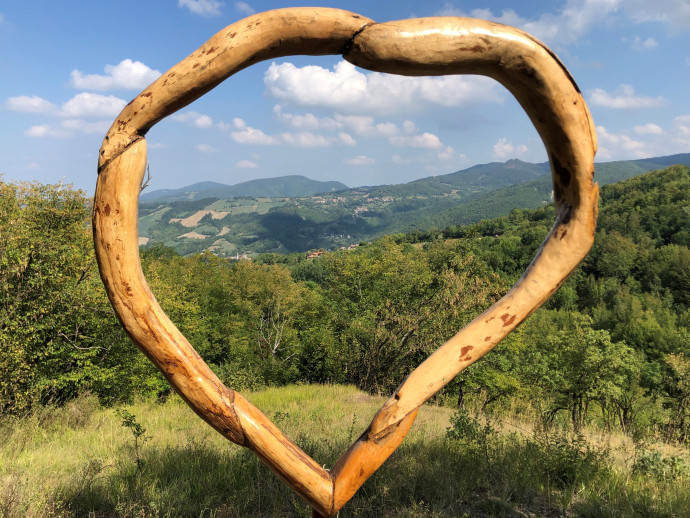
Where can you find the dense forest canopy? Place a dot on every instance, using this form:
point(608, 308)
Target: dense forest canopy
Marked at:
point(612, 345)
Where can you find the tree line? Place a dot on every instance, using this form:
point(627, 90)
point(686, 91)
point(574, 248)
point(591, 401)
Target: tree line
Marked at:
point(611, 346)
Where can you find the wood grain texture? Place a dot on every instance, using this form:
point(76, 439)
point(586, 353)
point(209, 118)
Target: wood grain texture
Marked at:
point(427, 46)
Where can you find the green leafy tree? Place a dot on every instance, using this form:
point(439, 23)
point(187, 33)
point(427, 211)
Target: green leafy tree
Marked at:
point(578, 366)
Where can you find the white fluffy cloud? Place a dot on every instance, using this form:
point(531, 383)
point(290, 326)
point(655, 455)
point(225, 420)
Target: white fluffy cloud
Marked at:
point(397, 159)
point(566, 26)
point(68, 128)
point(308, 139)
point(648, 129)
point(644, 44)
point(579, 17)
point(348, 90)
point(245, 134)
point(45, 130)
point(681, 132)
point(83, 105)
point(359, 160)
point(618, 145)
point(205, 148)
point(447, 154)
point(244, 8)
point(82, 126)
point(308, 121)
point(29, 104)
point(366, 126)
point(505, 149)
point(361, 125)
point(208, 8)
point(196, 119)
point(675, 13)
point(128, 74)
point(682, 123)
point(37, 131)
point(88, 104)
point(246, 164)
point(624, 98)
point(424, 140)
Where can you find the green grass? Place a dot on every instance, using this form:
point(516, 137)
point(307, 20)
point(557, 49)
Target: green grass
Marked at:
point(80, 461)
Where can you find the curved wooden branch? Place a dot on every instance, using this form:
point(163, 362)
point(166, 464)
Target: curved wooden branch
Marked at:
point(428, 46)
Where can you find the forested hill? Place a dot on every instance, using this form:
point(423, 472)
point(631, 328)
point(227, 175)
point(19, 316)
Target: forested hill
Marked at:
point(251, 225)
point(531, 194)
point(291, 186)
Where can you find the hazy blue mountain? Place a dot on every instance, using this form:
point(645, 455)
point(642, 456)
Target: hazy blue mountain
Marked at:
point(283, 186)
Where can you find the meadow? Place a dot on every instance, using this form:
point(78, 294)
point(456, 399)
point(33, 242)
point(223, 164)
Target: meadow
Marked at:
point(157, 459)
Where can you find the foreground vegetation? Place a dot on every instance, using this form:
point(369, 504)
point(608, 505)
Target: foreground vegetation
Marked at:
point(80, 460)
point(610, 352)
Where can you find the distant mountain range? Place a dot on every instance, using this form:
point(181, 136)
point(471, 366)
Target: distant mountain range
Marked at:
point(293, 213)
point(292, 185)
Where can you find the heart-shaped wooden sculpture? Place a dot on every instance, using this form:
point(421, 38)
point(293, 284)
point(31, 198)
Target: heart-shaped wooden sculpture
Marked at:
point(427, 46)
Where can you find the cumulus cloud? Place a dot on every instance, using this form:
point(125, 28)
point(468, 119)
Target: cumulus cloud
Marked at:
point(307, 121)
point(682, 125)
point(446, 154)
point(128, 74)
point(245, 134)
point(397, 159)
point(345, 89)
point(675, 13)
point(244, 8)
point(37, 131)
point(579, 17)
point(29, 104)
point(82, 126)
point(88, 104)
point(563, 27)
point(648, 129)
point(246, 164)
point(361, 125)
point(406, 135)
point(505, 149)
point(308, 139)
point(205, 148)
point(623, 99)
point(208, 8)
point(618, 145)
point(83, 105)
point(44, 130)
point(424, 140)
point(359, 160)
point(366, 126)
point(644, 44)
point(196, 119)
point(346, 139)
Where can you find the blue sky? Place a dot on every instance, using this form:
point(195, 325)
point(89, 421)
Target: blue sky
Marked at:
point(68, 68)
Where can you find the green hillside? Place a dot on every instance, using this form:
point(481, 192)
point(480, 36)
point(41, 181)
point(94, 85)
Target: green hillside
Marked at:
point(257, 224)
point(283, 186)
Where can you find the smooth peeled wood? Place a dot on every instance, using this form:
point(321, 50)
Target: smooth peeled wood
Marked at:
point(427, 46)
